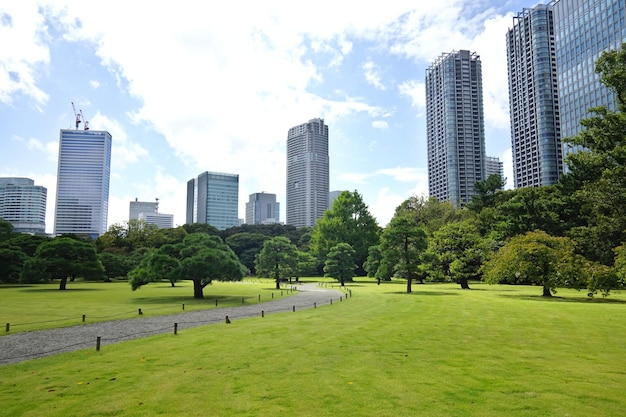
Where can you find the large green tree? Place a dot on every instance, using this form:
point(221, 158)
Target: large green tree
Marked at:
point(246, 246)
point(536, 258)
point(460, 251)
point(200, 258)
point(340, 263)
point(402, 245)
point(347, 221)
point(63, 258)
point(278, 259)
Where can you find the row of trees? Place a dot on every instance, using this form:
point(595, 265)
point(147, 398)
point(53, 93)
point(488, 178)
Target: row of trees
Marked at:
point(571, 234)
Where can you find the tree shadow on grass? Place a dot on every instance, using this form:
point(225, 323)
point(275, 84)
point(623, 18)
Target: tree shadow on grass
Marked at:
point(558, 299)
point(208, 300)
point(420, 293)
point(56, 289)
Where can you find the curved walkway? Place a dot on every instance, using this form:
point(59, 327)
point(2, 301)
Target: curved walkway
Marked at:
point(36, 344)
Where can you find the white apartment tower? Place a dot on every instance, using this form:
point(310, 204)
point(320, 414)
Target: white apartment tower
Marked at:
point(307, 173)
point(455, 126)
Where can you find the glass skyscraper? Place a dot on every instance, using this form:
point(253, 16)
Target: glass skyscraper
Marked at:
point(533, 98)
point(83, 182)
point(23, 204)
point(213, 198)
point(583, 30)
point(455, 126)
point(262, 208)
point(307, 173)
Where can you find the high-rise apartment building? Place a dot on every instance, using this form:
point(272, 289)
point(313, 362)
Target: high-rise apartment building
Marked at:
point(455, 126)
point(307, 173)
point(583, 30)
point(83, 182)
point(262, 208)
point(23, 204)
point(213, 198)
point(533, 98)
point(493, 166)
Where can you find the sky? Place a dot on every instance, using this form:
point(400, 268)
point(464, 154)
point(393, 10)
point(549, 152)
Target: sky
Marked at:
point(190, 86)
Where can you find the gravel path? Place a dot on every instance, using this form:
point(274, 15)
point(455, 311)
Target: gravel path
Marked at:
point(36, 344)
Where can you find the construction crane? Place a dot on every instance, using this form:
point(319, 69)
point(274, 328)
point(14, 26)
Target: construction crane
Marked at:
point(78, 116)
point(86, 122)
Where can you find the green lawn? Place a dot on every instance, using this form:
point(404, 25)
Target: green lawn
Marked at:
point(34, 307)
point(441, 351)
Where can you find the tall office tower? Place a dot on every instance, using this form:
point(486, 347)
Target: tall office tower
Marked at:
point(82, 201)
point(307, 173)
point(213, 198)
point(262, 209)
point(455, 126)
point(137, 207)
point(23, 204)
point(533, 99)
point(583, 30)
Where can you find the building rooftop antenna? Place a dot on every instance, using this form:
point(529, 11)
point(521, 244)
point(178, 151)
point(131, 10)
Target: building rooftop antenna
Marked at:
point(77, 115)
point(156, 206)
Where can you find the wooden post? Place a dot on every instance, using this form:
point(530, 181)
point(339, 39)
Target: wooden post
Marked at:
point(272, 295)
point(83, 318)
point(331, 301)
point(242, 300)
point(175, 328)
point(139, 312)
point(314, 305)
point(259, 297)
point(227, 320)
point(8, 327)
point(341, 298)
point(183, 306)
point(216, 302)
point(98, 343)
point(262, 313)
point(294, 309)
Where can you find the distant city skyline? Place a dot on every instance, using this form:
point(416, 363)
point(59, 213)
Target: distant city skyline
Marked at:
point(247, 79)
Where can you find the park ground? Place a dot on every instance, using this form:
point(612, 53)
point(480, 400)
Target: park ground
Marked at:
point(440, 351)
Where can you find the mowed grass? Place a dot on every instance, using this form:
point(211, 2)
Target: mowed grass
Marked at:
point(440, 351)
point(43, 306)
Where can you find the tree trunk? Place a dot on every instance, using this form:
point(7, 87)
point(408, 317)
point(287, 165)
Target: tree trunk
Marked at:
point(172, 283)
point(408, 285)
point(464, 284)
point(278, 283)
point(197, 289)
point(546, 292)
point(343, 284)
point(63, 284)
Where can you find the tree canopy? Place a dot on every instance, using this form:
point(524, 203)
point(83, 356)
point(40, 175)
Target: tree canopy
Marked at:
point(340, 263)
point(63, 258)
point(200, 258)
point(278, 259)
point(347, 221)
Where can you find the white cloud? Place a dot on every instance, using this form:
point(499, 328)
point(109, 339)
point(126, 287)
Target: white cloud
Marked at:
point(372, 75)
point(94, 84)
point(124, 151)
point(416, 91)
point(506, 158)
point(23, 52)
point(380, 124)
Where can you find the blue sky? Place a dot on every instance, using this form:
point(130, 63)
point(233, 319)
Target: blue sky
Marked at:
point(186, 87)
